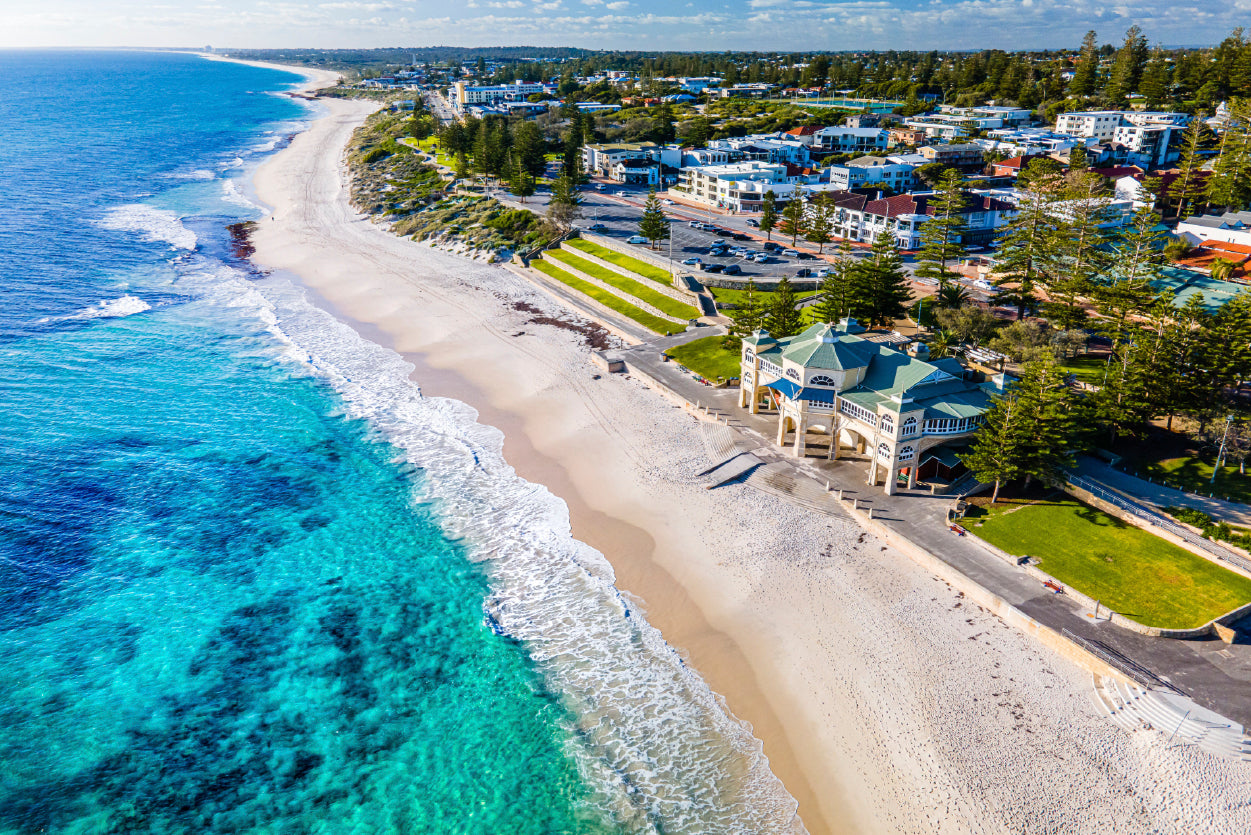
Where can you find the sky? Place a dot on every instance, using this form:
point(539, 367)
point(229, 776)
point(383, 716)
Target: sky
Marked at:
point(786, 25)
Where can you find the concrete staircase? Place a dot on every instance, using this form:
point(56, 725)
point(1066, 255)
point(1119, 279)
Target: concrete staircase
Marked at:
point(1136, 708)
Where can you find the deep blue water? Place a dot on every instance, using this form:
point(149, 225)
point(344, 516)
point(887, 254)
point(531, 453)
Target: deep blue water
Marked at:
point(250, 579)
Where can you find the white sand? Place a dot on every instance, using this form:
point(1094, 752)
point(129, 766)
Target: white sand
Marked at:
point(884, 701)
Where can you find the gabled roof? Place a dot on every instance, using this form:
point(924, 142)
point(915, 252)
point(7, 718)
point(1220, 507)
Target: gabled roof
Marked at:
point(918, 204)
point(806, 130)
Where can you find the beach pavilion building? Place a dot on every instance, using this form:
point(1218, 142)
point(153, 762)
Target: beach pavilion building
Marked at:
point(834, 383)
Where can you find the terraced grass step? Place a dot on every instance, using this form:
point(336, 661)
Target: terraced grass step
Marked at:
point(634, 265)
point(632, 289)
point(607, 299)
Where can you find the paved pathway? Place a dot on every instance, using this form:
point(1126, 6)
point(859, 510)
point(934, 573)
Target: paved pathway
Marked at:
point(1162, 496)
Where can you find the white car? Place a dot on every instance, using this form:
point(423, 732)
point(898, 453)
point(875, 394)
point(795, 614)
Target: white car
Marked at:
point(666, 202)
point(822, 272)
point(760, 257)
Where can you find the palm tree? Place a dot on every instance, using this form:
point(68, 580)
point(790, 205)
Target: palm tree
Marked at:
point(952, 295)
point(1222, 268)
point(942, 344)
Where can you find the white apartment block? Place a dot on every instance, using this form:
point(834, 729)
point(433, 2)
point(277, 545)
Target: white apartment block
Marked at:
point(463, 96)
point(851, 140)
point(1102, 124)
point(866, 171)
point(739, 186)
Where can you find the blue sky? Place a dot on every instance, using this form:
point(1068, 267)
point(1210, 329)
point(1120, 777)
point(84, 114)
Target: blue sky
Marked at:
point(621, 24)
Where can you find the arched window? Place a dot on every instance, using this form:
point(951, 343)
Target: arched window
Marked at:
point(822, 380)
point(909, 427)
point(888, 424)
point(906, 453)
point(883, 450)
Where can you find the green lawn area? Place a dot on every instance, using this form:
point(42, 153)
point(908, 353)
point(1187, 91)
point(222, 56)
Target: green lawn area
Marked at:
point(642, 292)
point(634, 265)
point(428, 143)
point(1135, 573)
point(1194, 473)
point(1089, 370)
point(647, 320)
point(731, 296)
point(708, 358)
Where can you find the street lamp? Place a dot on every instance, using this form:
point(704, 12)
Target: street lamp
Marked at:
point(1229, 421)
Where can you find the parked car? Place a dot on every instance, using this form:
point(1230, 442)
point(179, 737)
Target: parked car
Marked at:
point(790, 253)
point(600, 186)
point(666, 202)
point(803, 272)
point(691, 262)
point(732, 269)
point(822, 272)
point(718, 250)
point(720, 233)
point(805, 256)
point(760, 257)
point(715, 268)
point(596, 227)
point(772, 246)
point(636, 239)
point(751, 221)
point(695, 224)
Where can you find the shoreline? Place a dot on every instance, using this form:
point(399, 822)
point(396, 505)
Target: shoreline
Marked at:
point(809, 645)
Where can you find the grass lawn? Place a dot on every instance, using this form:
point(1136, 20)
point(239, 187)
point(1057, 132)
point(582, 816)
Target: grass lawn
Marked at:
point(730, 296)
point(634, 265)
point(1194, 473)
point(647, 320)
point(708, 358)
point(642, 292)
point(1089, 370)
point(1137, 574)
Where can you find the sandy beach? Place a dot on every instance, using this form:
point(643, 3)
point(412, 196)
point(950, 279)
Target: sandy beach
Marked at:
point(884, 701)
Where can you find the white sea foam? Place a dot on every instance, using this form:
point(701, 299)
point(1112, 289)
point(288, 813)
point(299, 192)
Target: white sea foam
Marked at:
point(108, 309)
point(198, 174)
point(152, 223)
point(231, 194)
point(654, 742)
point(650, 738)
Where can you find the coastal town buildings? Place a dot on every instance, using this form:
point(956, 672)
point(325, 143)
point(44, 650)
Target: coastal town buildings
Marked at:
point(834, 385)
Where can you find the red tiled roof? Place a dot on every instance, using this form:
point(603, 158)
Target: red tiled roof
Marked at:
point(907, 204)
point(806, 130)
point(1241, 249)
point(1116, 173)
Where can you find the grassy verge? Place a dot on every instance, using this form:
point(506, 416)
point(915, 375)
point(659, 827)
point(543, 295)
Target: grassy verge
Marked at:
point(634, 265)
point(727, 295)
point(612, 302)
point(1194, 473)
point(1135, 573)
point(642, 292)
point(708, 357)
point(1089, 370)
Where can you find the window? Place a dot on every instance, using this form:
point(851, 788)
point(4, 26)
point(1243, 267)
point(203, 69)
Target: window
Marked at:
point(906, 453)
point(793, 374)
point(822, 380)
point(883, 450)
point(888, 424)
point(909, 427)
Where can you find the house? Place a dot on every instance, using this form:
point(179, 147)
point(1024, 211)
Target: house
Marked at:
point(1013, 166)
point(636, 172)
point(957, 156)
point(597, 107)
point(742, 91)
point(862, 216)
point(905, 136)
point(1206, 255)
point(863, 120)
point(863, 171)
point(766, 148)
point(833, 386)
point(1032, 141)
point(1130, 187)
point(805, 135)
point(843, 140)
point(1231, 228)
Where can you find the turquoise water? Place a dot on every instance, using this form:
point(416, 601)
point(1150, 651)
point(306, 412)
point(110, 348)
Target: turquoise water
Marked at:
point(251, 579)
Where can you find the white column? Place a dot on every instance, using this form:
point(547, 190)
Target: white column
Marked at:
point(890, 479)
point(781, 427)
point(873, 469)
point(801, 435)
point(912, 471)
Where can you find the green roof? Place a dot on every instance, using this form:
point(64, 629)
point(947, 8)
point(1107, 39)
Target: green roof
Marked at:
point(1187, 283)
point(821, 346)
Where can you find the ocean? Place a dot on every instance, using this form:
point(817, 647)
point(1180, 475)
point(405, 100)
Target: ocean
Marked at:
point(251, 580)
